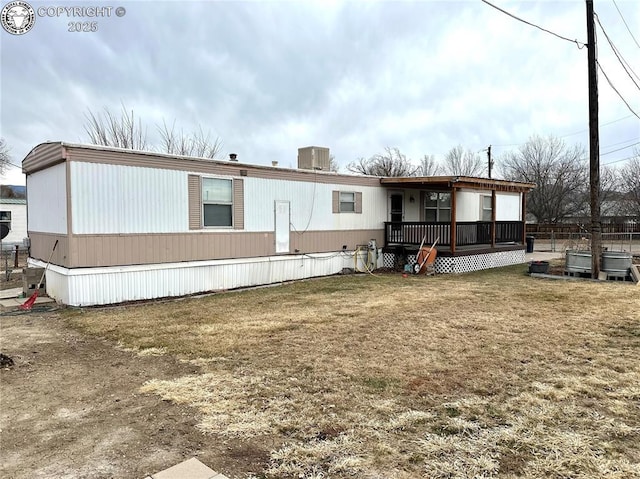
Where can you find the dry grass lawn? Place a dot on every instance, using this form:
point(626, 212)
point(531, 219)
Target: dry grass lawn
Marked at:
point(489, 374)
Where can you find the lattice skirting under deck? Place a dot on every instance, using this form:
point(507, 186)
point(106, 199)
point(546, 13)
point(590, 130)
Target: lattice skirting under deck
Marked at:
point(462, 264)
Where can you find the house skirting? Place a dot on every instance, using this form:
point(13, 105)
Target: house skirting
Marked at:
point(463, 264)
point(118, 284)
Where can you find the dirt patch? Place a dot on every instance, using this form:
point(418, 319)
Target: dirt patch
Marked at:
point(71, 407)
point(15, 279)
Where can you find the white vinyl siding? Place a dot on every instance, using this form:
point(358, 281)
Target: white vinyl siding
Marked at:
point(18, 215)
point(126, 199)
point(311, 205)
point(114, 199)
point(508, 207)
point(47, 203)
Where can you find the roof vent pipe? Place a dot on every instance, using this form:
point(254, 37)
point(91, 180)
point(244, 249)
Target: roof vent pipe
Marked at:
point(233, 157)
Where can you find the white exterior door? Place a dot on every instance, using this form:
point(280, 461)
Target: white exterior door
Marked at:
point(282, 222)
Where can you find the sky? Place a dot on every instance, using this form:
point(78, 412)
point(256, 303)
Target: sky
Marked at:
point(268, 77)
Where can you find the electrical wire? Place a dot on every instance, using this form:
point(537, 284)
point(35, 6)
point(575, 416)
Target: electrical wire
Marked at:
point(577, 132)
point(616, 90)
point(619, 149)
point(358, 249)
point(625, 23)
point(13, 164)
point(322, 258)
point(313, 202)
point(619, 56)
point(619, 161)
point(579, 44)
point(621, 142)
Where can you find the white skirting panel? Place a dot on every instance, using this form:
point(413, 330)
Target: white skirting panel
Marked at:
point(96, 286)
point(464, 264)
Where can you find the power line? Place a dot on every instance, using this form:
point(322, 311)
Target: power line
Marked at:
point(619, 55)
point(601, 124)
point(13, 164)
point(577, 132)
point(619, 161)
point(579, 44)
point(616, 90)
point(625, 141)
point(619, 149)
point(625, 23)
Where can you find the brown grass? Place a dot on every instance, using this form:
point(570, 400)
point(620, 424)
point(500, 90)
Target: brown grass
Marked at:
point(490, 374)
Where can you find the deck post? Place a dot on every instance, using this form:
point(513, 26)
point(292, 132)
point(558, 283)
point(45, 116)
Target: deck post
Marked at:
point(524, 217)
point(452, 232)
point(493, 218)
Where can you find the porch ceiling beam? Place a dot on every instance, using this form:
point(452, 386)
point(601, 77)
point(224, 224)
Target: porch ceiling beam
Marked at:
point(457, 182)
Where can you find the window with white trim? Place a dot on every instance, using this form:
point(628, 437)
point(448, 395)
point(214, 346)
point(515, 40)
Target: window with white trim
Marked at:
point(437, 206)
point(217, 202)
point(486, 210)
point(347, 202)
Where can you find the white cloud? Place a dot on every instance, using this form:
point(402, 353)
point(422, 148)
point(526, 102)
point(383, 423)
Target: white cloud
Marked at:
point(269, 77)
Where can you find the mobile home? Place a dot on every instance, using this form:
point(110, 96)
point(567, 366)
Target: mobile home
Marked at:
point(135, 225)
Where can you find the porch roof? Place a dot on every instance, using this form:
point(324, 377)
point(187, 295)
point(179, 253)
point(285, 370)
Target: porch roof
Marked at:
point(456, 182)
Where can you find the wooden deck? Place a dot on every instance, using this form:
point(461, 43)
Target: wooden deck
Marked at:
point(467, 237)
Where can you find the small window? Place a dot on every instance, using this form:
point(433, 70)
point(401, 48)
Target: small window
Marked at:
point(217, 202)
point(437, 206)
point(347, 202)
point(486, 208)
point(5, 215)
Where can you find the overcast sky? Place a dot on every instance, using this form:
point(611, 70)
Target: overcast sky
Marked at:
point(268, 77)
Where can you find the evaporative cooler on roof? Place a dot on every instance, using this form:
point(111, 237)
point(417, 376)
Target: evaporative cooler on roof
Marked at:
point(313, 158)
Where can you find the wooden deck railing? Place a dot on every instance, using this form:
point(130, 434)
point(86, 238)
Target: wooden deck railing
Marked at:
point(467, 233)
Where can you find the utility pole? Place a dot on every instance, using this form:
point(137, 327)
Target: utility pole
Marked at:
point(490, 163)
point(594, 145)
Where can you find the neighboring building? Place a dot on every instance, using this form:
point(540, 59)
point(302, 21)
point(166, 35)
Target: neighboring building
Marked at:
point(134, 225)
point(13, 211)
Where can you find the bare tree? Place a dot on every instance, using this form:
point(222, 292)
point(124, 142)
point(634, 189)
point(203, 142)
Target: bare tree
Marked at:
point(429, 166)
point(126, 131)
point(5, 157)
point(630, 186)
point(459, 161)
point(196, 144)
point(122, 131)
point(333, 164)
point(390, 163)
point(610, 197)
point(559, 173)
point(608, 192)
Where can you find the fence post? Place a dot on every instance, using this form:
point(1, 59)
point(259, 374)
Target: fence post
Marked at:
point(15, 262)
point(7, 271)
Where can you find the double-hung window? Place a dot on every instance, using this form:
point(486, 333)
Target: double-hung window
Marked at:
point(347, 202)
point(485, 205)
point(437, 206)
point(217, 202)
